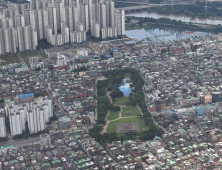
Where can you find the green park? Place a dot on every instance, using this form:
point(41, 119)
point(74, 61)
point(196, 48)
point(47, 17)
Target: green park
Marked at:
point(121, 109)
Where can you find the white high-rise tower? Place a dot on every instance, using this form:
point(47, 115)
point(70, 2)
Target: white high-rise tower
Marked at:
point(2, 127)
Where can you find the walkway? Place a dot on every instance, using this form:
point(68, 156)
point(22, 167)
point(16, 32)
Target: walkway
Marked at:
point(120, 115)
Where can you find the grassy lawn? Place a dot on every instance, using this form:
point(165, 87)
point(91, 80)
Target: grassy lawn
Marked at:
point(121, 99)
point(74, 51)
point(112, 125)
point(25, 55)
point(113, 115)
point(135, 111)
point(10, 58)
point(127, 75)
point(14, 58)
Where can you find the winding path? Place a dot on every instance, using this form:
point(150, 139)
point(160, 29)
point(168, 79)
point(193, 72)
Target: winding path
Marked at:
point(120, 115)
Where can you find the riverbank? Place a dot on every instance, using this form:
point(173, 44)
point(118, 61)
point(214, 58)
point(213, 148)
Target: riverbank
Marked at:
point(168, 23)
point(182, 18)
point(195, 10)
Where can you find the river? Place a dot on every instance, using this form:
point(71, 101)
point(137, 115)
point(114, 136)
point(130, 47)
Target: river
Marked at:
point(159, 35)
point(176, 17)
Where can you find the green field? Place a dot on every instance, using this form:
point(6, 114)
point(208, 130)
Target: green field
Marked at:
point(128, 75)
point(113, 115)
point(25, 56)
point(14, 58)
point(135, 111)
point(121, 99)
point(74, 51)
point(112, 125)
point(10, 58)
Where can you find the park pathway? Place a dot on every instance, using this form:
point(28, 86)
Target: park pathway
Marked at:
point(107, 123)
point(120, 115)
point(139, 109)
point(108, 95)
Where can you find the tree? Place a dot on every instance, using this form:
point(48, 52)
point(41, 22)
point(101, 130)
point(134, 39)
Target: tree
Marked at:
point(110, 86)
point(116, 93)
point(37, 69)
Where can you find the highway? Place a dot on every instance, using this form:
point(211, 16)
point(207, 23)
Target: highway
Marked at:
point(150, 6)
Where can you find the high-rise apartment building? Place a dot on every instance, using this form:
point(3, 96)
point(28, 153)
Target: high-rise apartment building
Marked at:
point(59, 21)
point(35, 114)
point(15, 123)
point(2, 127)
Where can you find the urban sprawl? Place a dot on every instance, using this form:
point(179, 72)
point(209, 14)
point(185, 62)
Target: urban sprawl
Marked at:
point(117, 104)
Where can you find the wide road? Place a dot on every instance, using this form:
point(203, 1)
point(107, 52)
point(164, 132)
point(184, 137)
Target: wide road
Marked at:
point(21, 142)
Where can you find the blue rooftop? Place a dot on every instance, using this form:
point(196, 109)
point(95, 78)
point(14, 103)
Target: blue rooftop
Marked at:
point(115, 49)
point(22, 96)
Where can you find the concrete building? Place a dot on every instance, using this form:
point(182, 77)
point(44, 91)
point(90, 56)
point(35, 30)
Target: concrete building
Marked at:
point(45, 139)
point(2, 126)
point(36, 114)
point(15, 123)
point(64, 122)
point(120, 21)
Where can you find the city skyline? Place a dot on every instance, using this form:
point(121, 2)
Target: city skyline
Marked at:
point(59, 22)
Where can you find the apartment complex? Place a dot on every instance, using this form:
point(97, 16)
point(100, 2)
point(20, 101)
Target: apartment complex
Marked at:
point(59, 22)
point(36, 114)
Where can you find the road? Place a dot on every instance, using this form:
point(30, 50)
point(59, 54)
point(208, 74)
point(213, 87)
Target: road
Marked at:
point(18, 143)
point(150, 6)
point(56, 102)
point(22, 59)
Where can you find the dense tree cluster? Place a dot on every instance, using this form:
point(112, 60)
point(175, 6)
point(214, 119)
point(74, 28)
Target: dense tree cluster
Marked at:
point(43, 44)
point(43, 93)
point(194, 10)
point(3, 139)
point(116, 92)
point(114, 78)
point(26, 135)
point(172, 24)
point(37, 69)
point(121, 5)
point(103, 103)
point(132, 101)
point(7, 124)
point(80, 69)
point(53, 118)
point(153, 20)
point(156, 1)
point(139, 96)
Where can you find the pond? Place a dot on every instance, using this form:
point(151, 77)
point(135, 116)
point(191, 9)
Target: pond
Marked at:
point(125, 88)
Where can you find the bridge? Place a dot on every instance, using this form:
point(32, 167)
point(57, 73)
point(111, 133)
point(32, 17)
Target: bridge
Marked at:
point(147, 5)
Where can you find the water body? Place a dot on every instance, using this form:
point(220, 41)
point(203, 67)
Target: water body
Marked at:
point(125, 88)
point(176, 17)
point(159, 35)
